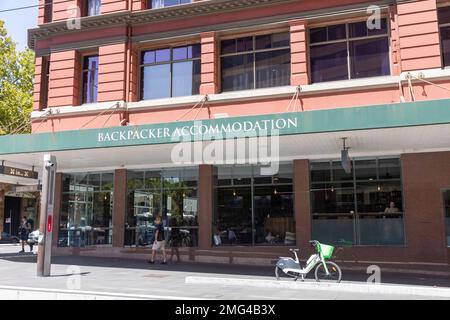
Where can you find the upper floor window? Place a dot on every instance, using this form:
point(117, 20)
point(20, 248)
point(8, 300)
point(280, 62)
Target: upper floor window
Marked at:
point(93, 7)
point(256, 62)
point(444, 26)
point(349, 51)
point(48, 11)
point(45, 79)
point(170, 72)
point(155, 4)
point(90, 79)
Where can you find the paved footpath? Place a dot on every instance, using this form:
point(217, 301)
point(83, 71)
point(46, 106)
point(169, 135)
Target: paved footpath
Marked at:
point(105, 278)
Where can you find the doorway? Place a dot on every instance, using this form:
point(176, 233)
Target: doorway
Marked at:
point(12, 215)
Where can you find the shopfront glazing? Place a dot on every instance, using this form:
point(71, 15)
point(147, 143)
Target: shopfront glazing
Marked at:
point(86, 209)
point(360, 207)
point(252, 209)
point(170, 193)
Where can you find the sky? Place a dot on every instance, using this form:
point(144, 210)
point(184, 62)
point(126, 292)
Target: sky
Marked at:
point(18, 22)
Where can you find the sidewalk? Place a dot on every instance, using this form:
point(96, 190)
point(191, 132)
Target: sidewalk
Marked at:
point(106, 278)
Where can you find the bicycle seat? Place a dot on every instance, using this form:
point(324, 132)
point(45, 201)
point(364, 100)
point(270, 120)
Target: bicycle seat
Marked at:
point(294, 250)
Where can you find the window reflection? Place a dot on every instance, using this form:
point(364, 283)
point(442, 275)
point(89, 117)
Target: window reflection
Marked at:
point(364, 207)
point(170, 72)
point(349, 51)
point(171, 193)
point(252, 209)
point(87, 205)
point(155, 4)
point(256, 62)
point(447, 215)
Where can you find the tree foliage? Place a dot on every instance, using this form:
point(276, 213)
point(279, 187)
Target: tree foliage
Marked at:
point(16, 85)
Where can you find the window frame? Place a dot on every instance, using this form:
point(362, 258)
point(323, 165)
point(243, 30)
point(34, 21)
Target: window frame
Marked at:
point(347, 40)
point(252, 184)
point(254, 52)
point(354, 181)
point(48, 11)
point(83, 71)
point(444, 191)
point(86, 9)
point(142, 65)
point(149, 4)
point(101, 190)
point(45, 82)
point(441, 43)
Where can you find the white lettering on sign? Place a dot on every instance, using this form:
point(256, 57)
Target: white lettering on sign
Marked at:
point(197, 129)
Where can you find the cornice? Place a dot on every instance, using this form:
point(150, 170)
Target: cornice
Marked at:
point(194, 9)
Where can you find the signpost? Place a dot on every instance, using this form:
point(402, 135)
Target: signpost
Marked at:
point(17, 172)
point(46, 219)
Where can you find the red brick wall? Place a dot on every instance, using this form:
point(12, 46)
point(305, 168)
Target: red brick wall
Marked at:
point(424, 177)
point(419, 35)
point(120, 206)
point(209, 77)
point(134, 72)
point(41, 11)
point(139, 5)
point(112, 73)
point(206, 207)
point(111, 6)
point(299, 60)
point(302, 203)
point(60, 9)
point(38, 78)
point(64, 84)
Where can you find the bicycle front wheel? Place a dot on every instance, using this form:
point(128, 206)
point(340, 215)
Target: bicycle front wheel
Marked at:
point(334, 272)
point(280, 275)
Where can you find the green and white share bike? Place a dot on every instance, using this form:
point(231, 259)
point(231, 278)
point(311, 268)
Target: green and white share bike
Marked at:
point(325, 271)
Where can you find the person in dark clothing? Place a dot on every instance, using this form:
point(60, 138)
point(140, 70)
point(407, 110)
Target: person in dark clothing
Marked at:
point(159, 242)
point(31, 223)
point(175, 240)
point(24, 230)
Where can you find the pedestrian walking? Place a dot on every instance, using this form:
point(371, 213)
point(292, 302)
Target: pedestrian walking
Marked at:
point(159, 242)
point(24, 231)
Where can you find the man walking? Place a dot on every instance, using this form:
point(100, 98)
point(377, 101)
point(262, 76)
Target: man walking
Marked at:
point(159, 242)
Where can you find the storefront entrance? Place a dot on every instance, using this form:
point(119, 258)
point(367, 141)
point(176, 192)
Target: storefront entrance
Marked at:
point(12, 215)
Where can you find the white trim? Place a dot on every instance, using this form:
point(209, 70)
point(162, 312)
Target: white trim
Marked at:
point(84, 109)
point(245, 95)
point(429, 74)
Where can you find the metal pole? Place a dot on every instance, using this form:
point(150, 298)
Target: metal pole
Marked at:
point(46, 216)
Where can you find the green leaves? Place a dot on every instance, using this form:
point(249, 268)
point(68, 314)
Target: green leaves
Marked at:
point(16, 86)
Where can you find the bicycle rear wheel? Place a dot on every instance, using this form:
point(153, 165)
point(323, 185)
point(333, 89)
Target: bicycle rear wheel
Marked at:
point(280, 275)
point(334, 272)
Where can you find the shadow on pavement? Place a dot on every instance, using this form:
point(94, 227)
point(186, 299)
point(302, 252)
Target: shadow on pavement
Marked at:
point(223, 269)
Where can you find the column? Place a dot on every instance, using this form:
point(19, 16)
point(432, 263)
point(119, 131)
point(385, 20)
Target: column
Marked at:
point(419, 35)
point(302, 201)
point(299, 64)
point(112, 73)
point(64, 86)
point(424, 176)
point(120, 205)
point(206, 206)
point(209, 73)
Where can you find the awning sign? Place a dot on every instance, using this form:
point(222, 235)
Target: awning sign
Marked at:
point(16, 172)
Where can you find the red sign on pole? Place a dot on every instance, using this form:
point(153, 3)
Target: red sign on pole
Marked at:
point(49, 223)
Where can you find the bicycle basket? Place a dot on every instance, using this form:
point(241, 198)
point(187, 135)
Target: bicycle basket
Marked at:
point(326, 250)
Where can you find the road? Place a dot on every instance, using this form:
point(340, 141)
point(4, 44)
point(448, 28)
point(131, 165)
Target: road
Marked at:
point(116, 278)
